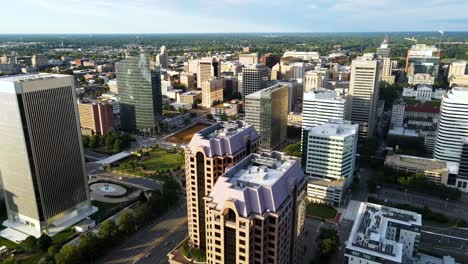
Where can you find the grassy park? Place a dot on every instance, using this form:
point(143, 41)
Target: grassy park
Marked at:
point(320, 211)
point(152, 163)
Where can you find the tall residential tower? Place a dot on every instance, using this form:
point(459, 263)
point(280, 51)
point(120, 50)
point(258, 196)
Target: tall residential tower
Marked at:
point(209, 153)
point(256, 212)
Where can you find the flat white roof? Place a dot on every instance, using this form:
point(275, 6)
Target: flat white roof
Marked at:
point(336, 128)
point(31, 77)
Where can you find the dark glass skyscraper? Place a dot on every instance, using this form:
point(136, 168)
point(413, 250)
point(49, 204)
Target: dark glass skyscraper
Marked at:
point(140, 95)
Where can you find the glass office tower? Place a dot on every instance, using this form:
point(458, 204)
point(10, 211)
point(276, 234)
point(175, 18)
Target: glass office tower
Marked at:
point(140, 95)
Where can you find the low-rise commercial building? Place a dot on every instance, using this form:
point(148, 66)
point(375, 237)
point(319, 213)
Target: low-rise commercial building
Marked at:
point(382, 234)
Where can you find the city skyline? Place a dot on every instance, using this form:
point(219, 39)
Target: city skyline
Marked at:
point(207, 16)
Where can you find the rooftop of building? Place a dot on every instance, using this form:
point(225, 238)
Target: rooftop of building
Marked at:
point(419, 163)
point(323, 95)
point(270, 89)
point(32, 77)
point(223, 138)
point(458, 93)
point(368, 234)
point(258, 183)
point(327, 183)
point(334, 128)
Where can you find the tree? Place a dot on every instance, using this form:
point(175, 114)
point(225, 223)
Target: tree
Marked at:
point(224, 117)
point(85, 140)
point(44, 242)
point(53, 250)
point(118, 145)
point(460, 223)
point(11, 260)
point(29, 244)
point(108, 231)
point(90, 246)
point(209, 116)
point(93, 142)
point(126, 223)
point(293, 149)
point(69, 254)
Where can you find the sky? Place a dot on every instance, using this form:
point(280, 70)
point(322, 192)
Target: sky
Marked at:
point(213, 16)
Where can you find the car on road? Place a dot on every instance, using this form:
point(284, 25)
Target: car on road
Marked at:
point(167, 243)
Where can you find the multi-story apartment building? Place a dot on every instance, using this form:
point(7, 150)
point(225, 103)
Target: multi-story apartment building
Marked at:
point(315, 79)
point(212, 91)
point(254, 78)
point(382, 234)
point(328, 156)
point(364, 94)
point(256, 212)
point(320, 106)
point(422, 59)
point(39, 61)
point(267, 111)
point(386, 73)
point(207, 156)
point(43, 173)
point(458, 74)
point(95, 118)
point(188, 79)
point(453, 125)
point(140, 94)
point(269, 60)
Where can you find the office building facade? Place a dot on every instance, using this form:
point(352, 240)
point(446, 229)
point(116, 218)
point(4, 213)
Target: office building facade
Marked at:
point(267, 111)
point(453, 123)
point(254, 78)
point(329, 153)
point(207, 68)
point(247, 59)
point(321, 106)
point(95, 118)
point(209, 153)
point(462, 177)
point(256, 212)
point(212, 91)
point(364, 94)
point(140, 95)
point(41, 159)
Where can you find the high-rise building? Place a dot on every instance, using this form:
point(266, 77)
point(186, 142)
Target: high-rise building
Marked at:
point(247, 59)
point(188, 79)
point(453, 124)
point(382, 234)
point(210, 152)
point(315, 79)
point(254, 78)
point(384, 51)
point(162, 58)
point(42, 165)
point(207, 68)
point(269, 60)
point(386, 73)
point(458, 74)
point(256, 212)
point(422, 59)
point(212, 91)
point(462, 177)
point(398, 113)
point(95, 118)
point(363, 94)
point(267, 111)
point(39, 61)
point(329, 153)
point(140, 95)
point(321, 106)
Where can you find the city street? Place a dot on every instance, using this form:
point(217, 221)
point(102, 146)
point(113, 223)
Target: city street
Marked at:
point(452, 209)
point(445, 241)
point(152, 244)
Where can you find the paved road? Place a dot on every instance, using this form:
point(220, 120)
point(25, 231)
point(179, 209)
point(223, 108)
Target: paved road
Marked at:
point(452, 209)
point(445, 241)
point(151, 244)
